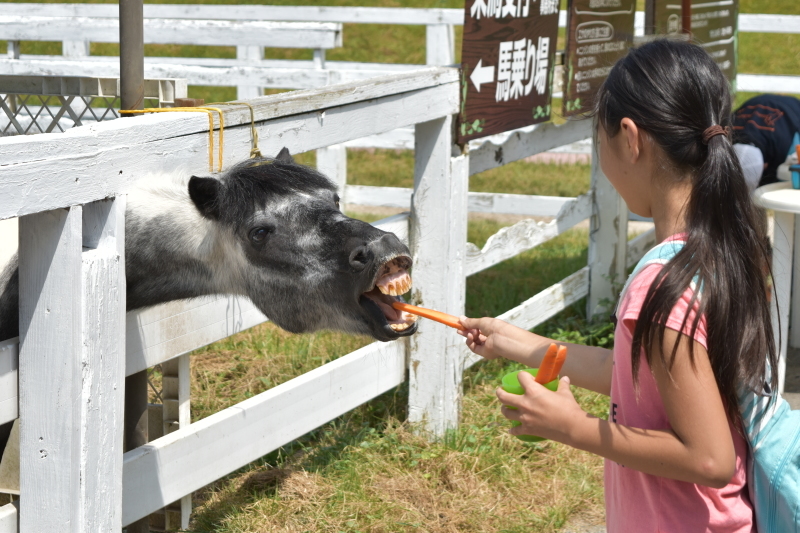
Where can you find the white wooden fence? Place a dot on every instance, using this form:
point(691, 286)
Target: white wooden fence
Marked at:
point(69, 191)
point(242, 25)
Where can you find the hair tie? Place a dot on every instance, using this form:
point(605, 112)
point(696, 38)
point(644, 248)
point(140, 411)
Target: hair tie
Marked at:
point(713, 131)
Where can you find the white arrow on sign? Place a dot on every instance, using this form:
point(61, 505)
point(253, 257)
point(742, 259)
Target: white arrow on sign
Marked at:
point(482, 74)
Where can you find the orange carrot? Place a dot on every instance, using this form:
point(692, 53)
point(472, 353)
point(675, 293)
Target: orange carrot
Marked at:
point(561, 356)
point(438, 316)
point(548, 363)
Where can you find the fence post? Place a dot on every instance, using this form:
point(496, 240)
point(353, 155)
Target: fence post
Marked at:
point(438, 245)
point(75, 48)
point(253, 55)
point(439, 44)
point(12, 49)
point(103, 365)
point(176, 415)
point(50, 370)
point(332, 161)
point(608, 239)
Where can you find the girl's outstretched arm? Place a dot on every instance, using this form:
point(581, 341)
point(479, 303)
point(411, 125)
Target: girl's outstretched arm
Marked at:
point(698, 448)
point(588, 367)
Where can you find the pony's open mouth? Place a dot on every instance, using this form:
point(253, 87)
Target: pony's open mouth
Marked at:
point(391, 281)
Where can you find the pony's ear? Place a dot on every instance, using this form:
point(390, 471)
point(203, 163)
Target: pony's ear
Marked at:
point(204, 192)
point(284, 156)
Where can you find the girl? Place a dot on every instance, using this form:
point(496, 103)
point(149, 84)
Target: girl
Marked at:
point(675, 454)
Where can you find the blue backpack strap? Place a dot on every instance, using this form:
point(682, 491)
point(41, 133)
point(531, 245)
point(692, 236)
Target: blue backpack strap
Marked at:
point(660, 254)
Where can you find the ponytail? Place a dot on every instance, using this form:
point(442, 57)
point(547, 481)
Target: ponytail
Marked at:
point(676, 93)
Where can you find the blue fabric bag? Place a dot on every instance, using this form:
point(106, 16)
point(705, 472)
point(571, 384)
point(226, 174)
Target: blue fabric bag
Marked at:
point(773, 436)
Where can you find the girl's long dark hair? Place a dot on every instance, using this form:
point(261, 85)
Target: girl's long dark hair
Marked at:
point(674, 91)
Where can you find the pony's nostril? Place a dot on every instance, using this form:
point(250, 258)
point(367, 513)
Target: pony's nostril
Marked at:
point(360, 258)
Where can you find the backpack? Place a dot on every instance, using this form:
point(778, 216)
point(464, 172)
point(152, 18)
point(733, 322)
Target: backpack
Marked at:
point(772, 430)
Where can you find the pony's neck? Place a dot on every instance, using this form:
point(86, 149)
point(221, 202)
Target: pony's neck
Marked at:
point(171, 251)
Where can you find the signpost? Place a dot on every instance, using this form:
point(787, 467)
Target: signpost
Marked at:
point(714, 27)
point(598, 33)
point(507, 70)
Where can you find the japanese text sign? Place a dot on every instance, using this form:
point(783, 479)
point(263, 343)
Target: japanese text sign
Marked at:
point(714, 27)
point(507, 65)
point(598, 33)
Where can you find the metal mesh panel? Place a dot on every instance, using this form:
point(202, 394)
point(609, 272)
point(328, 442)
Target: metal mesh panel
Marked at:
point(56, 104)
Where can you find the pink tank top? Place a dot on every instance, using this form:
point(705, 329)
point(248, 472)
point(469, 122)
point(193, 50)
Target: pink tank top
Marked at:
point(644, 503)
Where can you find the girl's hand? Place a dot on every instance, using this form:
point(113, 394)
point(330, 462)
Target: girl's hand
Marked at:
point(542, 412)
point(482, 335)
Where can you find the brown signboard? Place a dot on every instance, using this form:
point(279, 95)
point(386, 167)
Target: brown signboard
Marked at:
point(714, 27)
point(507, 70)
point(598, 33)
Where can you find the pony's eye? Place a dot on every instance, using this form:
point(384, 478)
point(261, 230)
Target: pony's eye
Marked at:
point(336, 200)
point(258, 235)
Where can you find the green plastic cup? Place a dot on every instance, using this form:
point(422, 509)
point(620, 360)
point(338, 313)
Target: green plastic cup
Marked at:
point(511, 384)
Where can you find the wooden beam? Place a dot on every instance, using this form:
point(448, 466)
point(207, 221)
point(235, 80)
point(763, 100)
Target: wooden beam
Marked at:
point(9, 380)
point(107, 158)
point(175, 465)
point(439, 201)
point(478, 202)
point(368, 15)
point(50, 370)
point(526, 234)
point(176, 31)
point(608, 237)
point(504, 148)
point(542, 306)
point(102, 365)
point(9, 518)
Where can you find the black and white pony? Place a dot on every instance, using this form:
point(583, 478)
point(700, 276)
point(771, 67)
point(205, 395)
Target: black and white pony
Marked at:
point(268, 229)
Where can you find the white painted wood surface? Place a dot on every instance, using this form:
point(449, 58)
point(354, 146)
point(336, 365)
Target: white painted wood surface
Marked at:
point(542, 306)
point(440, 44)
point(782, 253)
point(477, 202)
point(524, 235)
point(364, 15)
point(250, 54)
point(332, 161)
point(175, 393)
point(9, 380)
point(9, 518)
point(168, 468)
point(103, 159)
point(765, 23)
point(608, 237)
point(50, 371)
point(176, 31)
point(439, 201)
point(768, 83)
point(102, 365)
point(200, 71)
point(504, 148)
point(748, 22)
